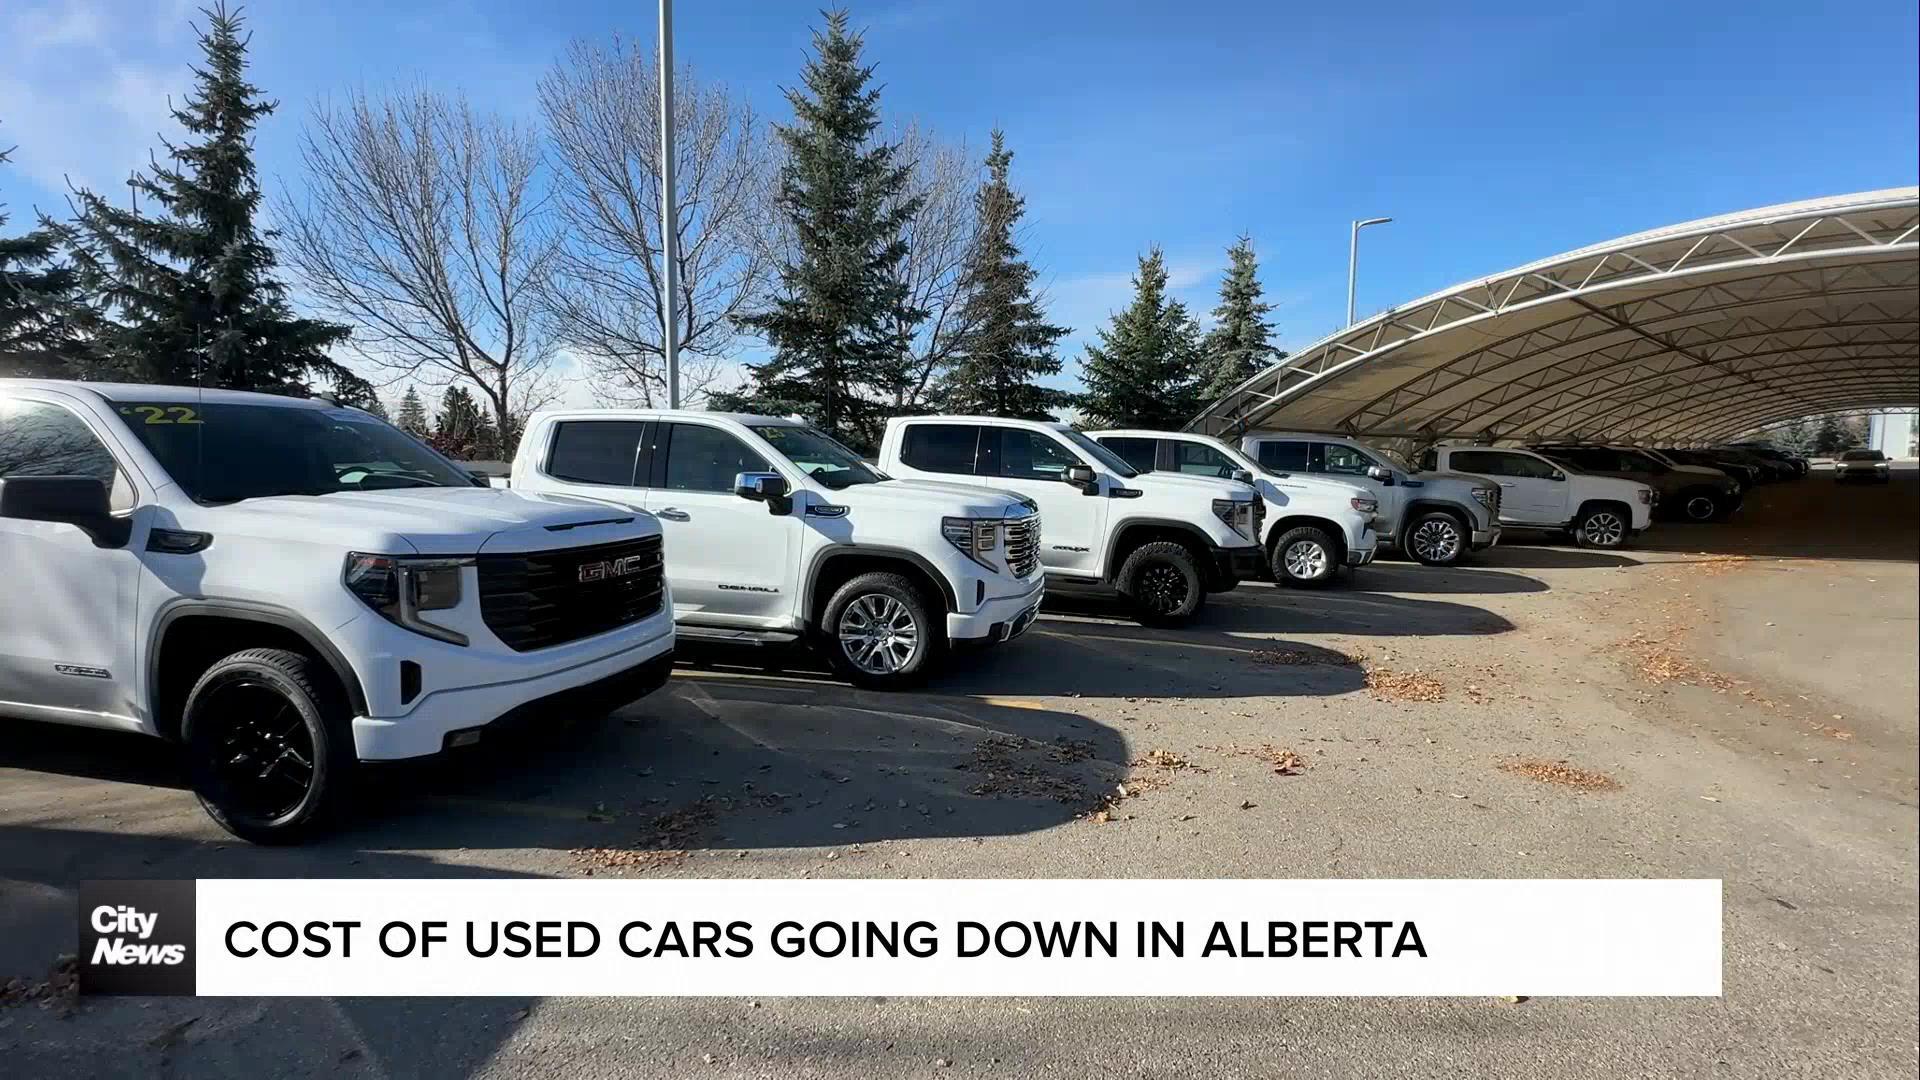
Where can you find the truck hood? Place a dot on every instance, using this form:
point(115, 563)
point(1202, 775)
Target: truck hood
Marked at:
point(1176, 485)
point(432, 521)
point(929, 497)
point(1701, 472)
point(1324, 484)
point(1474, 479)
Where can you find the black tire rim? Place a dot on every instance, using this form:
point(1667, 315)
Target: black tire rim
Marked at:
point(1163, 588)
point(1700, 508)
point(259, 753)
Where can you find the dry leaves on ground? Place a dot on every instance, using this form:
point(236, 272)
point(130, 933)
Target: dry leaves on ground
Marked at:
point(1013, 767)
point(1388, 685)
point(1658, 662)
point(1715, 565)
point(1302, 658)
point(665, 842)
point(60, 989)
point(1282, 761)
point(1559, 772)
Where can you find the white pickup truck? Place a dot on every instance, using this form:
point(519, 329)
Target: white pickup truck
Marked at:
point(290, 588)
point(1314, 525)
point(1162, 540)
point(777, 533)
point(1436, 517)
point(1536, 493)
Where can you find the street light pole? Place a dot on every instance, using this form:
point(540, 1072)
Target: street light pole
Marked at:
point(669, 213)
point(1353, 259)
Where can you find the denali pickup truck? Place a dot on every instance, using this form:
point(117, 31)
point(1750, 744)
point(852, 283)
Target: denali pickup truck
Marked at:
point(289, 589)
point(1535, 493)
point(1161, 539)
point(776, 533)
point(1435, 517)
point(1687, 491)
point(1315, 525)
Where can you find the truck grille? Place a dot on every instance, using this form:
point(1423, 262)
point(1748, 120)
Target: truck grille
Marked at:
point(1023, 545)
point(538, 599)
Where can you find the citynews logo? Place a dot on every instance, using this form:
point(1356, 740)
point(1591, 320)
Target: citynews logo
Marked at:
point(136, 937)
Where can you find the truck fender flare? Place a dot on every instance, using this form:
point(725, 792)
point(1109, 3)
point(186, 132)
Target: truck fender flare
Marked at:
point(250, 611)
point(822, 557)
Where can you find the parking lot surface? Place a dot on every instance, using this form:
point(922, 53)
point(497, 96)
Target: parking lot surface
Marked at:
point(1733, 702)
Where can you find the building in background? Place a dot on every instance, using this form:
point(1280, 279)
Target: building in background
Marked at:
point(1894, 434)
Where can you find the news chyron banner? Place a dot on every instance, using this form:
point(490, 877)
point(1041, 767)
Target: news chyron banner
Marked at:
point(708, 937)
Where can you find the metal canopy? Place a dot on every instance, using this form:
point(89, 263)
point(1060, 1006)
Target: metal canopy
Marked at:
point(1688, 334)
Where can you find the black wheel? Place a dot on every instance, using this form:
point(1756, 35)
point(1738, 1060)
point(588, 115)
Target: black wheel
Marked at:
point(1700, 506)
point(1601, 527)
point(270, 746)
point(1436, 538)
point(1305, 556)
point(880, 631)
point(1162, 582)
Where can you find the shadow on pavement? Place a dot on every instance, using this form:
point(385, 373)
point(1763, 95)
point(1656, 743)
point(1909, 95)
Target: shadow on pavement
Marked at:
point(1384, 577)
point(1529, 553)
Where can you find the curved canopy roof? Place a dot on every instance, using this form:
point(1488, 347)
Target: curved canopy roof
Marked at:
point(1688, 334)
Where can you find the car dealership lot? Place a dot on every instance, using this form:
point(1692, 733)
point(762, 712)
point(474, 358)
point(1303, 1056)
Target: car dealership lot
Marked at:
point(1749, 688)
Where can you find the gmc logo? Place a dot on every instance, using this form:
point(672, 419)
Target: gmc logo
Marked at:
point(612, 568)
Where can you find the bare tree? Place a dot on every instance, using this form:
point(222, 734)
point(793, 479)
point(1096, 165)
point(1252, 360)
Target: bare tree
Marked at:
point(940, 240)
point(425, 226)
point(602, 108)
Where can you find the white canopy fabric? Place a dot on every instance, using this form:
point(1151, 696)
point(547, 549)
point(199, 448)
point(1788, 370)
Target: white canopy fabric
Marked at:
point(1685, 335)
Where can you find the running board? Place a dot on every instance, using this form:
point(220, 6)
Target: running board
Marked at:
point(735, 636)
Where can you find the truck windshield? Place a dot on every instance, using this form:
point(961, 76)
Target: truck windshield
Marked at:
point(1099, 453)
point(819, 456)
point(224, 452)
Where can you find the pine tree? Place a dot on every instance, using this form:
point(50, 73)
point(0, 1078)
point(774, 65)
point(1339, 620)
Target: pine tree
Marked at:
point(413, 414)
point(1831, 435)
point(186, 293)
point(377, 408)
point(1237, 348)
point(463, 429)
point(841, 326)
point(35, 338)
point(1007, 342)
point(1144, 372)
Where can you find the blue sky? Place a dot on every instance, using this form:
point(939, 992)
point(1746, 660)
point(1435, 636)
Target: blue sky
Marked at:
point(1492, 136)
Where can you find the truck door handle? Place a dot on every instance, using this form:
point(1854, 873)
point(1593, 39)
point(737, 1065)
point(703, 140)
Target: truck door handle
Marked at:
point(672, 514)
point(1506, 483)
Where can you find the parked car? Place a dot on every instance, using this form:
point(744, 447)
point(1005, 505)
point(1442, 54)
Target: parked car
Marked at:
point(290, 589)
point(1435, 517)
point(1536, 493)
point(777, 534)
point(1774, 454)
point(1771, 471)
point(1314, 525)
point(1163, 541)
point(1692, 492)
point(1868, 465)
point(1746, 474)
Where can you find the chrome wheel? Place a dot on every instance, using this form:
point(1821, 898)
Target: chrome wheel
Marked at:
point(1603, 528)
point(1306, 560)
point(1701, 508)
point(1436, 540)
point(878, 634)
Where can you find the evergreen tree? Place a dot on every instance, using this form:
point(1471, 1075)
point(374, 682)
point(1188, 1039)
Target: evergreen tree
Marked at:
point(841, 327)
point(35, 338)
point(1007, 342)
point(1143, 372)
point(1237, 348)
point(413, 414)
point(377, 408)
point(463, 429)
point(185, 292)
point(1832, 435)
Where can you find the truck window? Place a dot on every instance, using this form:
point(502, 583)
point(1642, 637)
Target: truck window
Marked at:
point(1287, 456)
point(702, 458)
point(38, 438)
point(1029, 455)
point(1133, 450)
point(596, 451)
point(1199, 459)
point(1345, 460)
point(942, 448)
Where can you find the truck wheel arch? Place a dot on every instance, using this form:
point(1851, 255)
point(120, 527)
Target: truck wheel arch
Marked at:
point(1421, 506)
point(1296, 521)
point(836, 565)
point(166, 691)
point(1136, 531)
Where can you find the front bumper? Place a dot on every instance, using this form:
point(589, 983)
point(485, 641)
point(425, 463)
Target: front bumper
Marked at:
point(1002, 618)
point(602, 684)
point(1232, 565)
point(1485, 538)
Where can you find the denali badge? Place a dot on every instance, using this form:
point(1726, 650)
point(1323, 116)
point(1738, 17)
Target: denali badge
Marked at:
point(612, 568)
point(746, 588)
point(83, 671)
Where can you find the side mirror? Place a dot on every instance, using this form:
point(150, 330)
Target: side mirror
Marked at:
point(80, 501)
point(1243, 475)
point(479, 478)
point(759, 486)
point(1557, 475)
point(1082, 477)
point(1380, 473)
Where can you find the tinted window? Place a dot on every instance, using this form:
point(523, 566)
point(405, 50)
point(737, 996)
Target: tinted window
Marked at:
point(701, 458)
point(1284, 456)
point(1430, 460)
point(1029, 455)
point(818, 455)
point(1863, 455)
point(946, 448)
point(1501, 463)
point(1345, 460)
point(595, 451)
point(39, 439)
point(1132, 449)
point(1199, 459)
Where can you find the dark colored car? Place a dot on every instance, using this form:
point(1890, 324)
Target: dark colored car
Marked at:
point(1777, 456)
point(1770, 471)
point(1743, 473)
point(1690, 492)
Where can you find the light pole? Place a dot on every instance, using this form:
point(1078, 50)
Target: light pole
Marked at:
point(669, 214)
point(1353, 257)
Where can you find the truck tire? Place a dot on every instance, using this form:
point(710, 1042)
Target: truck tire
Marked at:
point(1161, 581)
point(270, 746)
point(1436, 538)
point(1700, 504)
point(1604, 526)
point(880, 631)
point(1305, 556)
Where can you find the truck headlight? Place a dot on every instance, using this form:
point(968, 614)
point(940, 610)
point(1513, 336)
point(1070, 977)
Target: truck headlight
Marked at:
point(974, 537)
point(1237, 515)
point(1364, 504)
point(1646, 496)
point(401, 588)
point(1484, 496)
